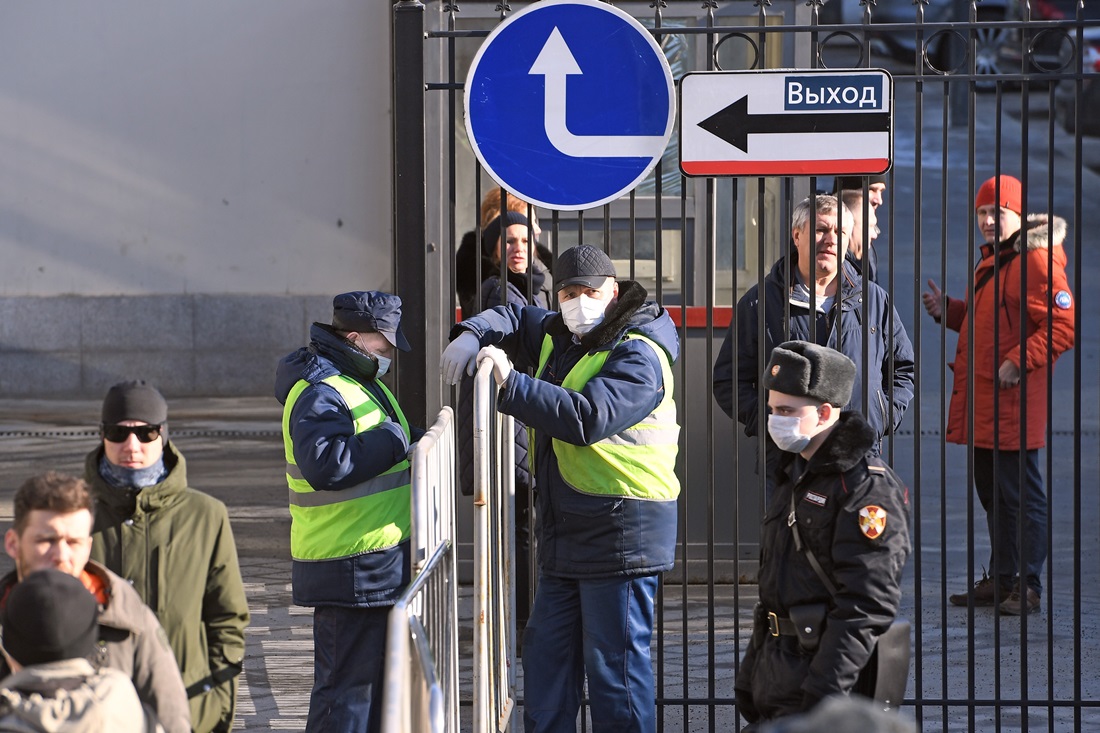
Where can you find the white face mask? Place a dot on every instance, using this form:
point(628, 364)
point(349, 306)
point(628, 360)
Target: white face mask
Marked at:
point(784, 430)
point(582, 314)
point(383, 365)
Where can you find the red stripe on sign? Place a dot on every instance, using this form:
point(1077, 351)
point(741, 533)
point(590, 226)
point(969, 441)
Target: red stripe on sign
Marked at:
point(851, 167)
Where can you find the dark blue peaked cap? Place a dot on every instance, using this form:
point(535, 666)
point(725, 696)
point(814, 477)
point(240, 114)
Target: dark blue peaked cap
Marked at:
point(363, 311)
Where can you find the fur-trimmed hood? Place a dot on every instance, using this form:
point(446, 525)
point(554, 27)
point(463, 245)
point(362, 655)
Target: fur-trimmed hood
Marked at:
point(1044, 230)
point(845, 446)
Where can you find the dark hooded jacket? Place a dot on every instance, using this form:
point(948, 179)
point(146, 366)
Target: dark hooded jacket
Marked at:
point(889, 390)
point(331, 457)
point(583, 535)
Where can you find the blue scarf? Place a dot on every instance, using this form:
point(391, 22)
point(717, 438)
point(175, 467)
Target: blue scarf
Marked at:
point(121, 477)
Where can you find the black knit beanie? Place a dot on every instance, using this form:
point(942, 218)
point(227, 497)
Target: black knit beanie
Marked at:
point(134, 400)
point(855, 183)
point(49, 616)
point(492, 231)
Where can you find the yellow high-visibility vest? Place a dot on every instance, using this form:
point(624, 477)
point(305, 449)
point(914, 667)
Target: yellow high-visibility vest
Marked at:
point(370, 516)
point(637, 463)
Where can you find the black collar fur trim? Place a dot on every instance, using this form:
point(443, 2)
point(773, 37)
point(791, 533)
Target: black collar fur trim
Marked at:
point(631, 297)
point(846, 445)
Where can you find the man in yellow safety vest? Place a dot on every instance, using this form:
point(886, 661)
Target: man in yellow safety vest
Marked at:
point(346, 442)
point(599, 406)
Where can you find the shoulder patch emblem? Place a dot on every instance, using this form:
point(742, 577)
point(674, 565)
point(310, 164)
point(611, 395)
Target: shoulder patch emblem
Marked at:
point(872, 521)
point(814, 498)
point(1063, 299)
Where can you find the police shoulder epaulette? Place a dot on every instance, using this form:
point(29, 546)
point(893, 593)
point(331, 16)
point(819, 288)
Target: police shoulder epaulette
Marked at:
point(881, 470)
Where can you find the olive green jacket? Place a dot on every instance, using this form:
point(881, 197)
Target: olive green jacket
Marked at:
point(175, 546)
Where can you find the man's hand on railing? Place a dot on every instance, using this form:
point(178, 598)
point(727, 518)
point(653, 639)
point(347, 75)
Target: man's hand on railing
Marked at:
point(458, 357)
point(502, 367)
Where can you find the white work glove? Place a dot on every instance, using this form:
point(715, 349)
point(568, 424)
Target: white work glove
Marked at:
point(458, 357)
point(502, 367)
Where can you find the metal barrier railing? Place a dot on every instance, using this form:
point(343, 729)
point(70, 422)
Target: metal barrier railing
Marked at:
point(421, 683)
point(494, 555)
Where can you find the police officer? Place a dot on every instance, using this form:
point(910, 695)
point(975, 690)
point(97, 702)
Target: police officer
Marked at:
point(834, 540)
point(346, 441)
point(601, 410)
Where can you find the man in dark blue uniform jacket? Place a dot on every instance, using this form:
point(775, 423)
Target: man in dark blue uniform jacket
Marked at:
point(605, 442)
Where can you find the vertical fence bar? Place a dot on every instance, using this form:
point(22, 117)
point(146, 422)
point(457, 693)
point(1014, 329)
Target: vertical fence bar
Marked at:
point(409, 203)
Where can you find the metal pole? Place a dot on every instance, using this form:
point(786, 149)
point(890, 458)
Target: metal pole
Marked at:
point(409, 203)
point(957, 93)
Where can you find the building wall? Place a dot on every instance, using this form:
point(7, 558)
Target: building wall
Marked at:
point(185, 185)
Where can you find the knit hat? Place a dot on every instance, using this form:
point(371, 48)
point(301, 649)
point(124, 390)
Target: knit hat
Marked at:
point(49, 616)
point(583, 265)
point(364, 311)
point(1011, 194)
point(802, 369)
point(134, 400)
point(855, 183)
point(491, 233)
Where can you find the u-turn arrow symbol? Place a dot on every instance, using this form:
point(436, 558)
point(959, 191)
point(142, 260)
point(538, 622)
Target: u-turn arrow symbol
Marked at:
point(555, 63)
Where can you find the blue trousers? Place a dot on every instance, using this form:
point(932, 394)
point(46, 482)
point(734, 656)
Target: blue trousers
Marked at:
point(1003, 498)
point(601, 627)
point(349, 652)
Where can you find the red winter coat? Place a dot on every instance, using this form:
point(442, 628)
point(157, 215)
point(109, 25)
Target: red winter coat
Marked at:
point(1048, 300)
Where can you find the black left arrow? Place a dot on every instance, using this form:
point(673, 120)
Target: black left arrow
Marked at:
point(734, 124)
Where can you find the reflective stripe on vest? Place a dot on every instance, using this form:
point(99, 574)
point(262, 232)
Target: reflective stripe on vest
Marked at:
point(370, 516)
point(637, 463)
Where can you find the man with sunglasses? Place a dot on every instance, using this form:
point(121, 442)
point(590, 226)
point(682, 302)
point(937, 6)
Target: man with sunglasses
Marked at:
point(173, 544)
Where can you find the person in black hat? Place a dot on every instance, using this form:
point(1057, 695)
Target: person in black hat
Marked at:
point(52, 529)
point(346, 441)
point(594, 384)
point(173, 543)
point(861, 253)
point(850, 190)
point(833, 543)
point(50, 631)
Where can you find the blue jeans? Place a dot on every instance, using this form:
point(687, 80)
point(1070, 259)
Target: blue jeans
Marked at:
point(601, 627)
point(999, 490)
point(349, 652)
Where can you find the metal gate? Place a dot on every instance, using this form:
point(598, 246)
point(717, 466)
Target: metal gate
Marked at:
point(981, 88)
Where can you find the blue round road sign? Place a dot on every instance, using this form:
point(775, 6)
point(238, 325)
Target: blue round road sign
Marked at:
point(569, 104)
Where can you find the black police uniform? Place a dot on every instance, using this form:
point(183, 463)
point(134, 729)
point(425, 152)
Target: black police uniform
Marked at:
point(852, 512)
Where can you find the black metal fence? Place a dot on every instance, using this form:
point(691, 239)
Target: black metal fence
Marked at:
point(980, 89)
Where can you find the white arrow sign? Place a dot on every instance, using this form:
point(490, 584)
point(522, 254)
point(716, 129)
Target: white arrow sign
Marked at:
point(555, 63)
